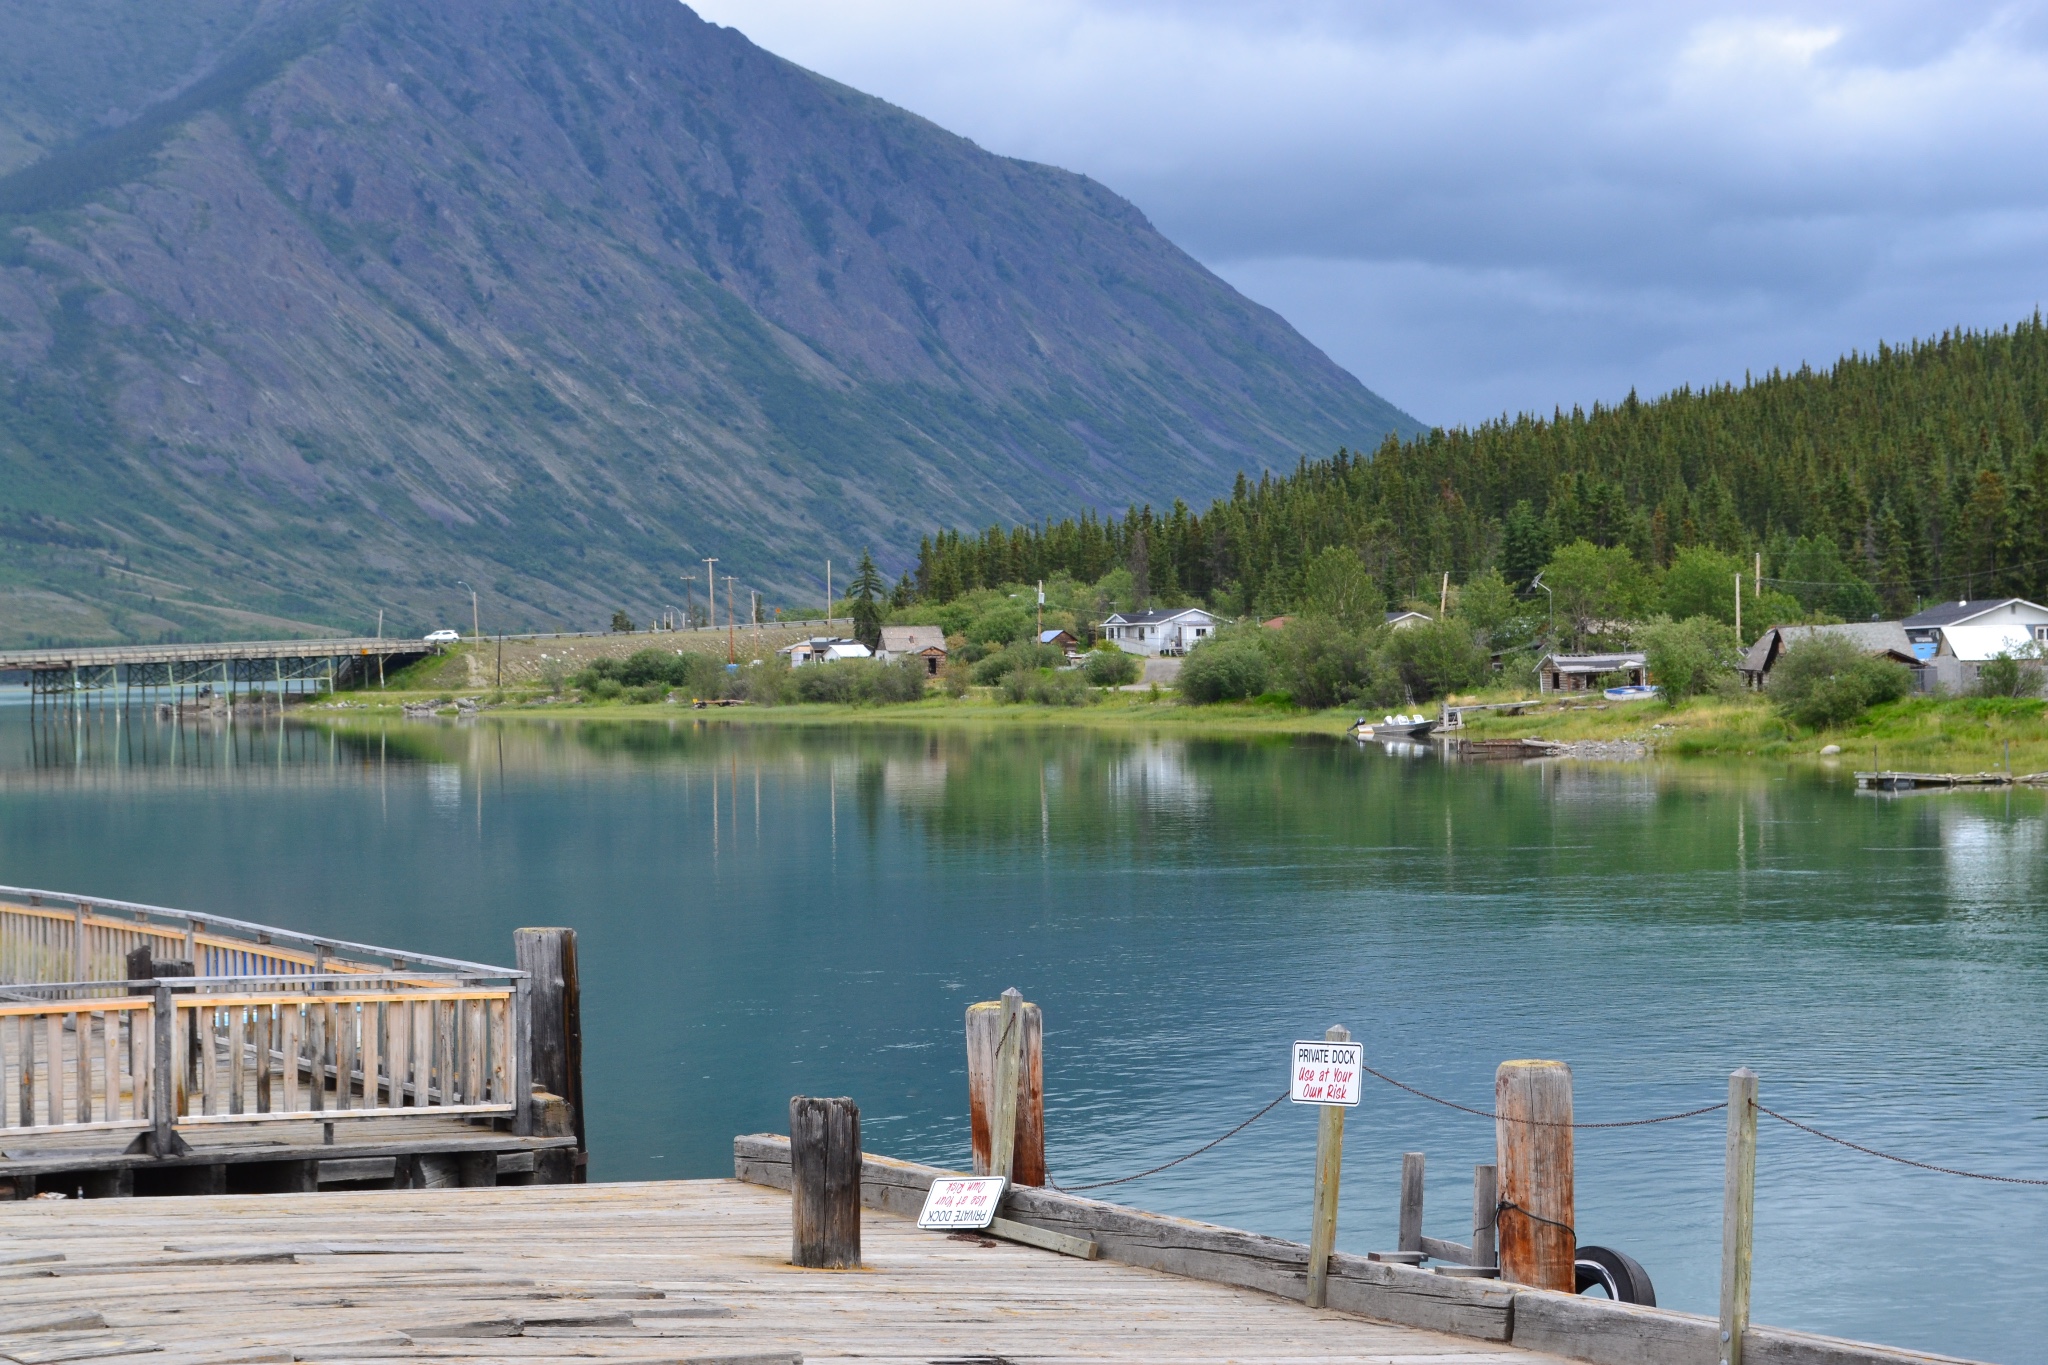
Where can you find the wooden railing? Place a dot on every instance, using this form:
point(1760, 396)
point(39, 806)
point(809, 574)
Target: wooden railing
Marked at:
point(270, 1026)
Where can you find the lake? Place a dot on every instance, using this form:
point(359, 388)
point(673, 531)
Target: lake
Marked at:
point(764, 911)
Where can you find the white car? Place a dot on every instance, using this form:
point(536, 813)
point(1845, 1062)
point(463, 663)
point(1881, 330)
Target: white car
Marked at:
point(442, 637)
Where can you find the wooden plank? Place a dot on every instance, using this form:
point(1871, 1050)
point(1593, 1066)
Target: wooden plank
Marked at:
point(290, 1020)
point(110, 1064)
point(1411, 1202)
point(53, 1067)
point(1044, 1238)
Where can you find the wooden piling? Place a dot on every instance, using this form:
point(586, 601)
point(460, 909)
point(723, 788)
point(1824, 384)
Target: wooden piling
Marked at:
point(1411, 1202)
point(985, 1027)
point(1329, 1167)
point(1485, 1210)
point(824, 1152)
point(1738, 1208)
point(1533, 1149)
point(555, 1049)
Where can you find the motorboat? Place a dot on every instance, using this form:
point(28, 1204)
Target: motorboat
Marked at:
point(1393, 727)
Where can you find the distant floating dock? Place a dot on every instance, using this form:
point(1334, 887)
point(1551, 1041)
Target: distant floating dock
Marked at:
point(1905, 782)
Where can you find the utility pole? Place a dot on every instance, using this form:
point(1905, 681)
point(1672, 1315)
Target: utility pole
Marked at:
point(689, 598)
point(1041, 609)
point(754, 605)
point(711, 593)
point(380, 623)
point(476, 630)
point(828, 597)
point(732, 654)
point(1738, 608)
point(1756, 582)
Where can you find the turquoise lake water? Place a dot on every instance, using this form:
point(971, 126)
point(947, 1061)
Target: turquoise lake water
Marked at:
point(767, 911)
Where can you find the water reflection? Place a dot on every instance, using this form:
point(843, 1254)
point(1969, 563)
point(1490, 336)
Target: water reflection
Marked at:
point(768, 910)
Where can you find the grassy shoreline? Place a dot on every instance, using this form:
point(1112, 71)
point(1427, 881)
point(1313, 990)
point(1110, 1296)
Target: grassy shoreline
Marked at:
point(1917, 734)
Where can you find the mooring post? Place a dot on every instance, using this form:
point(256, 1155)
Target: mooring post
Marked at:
point(1411, 1202)
point(1738, 1208)
point(555, 1013)
point(985, 1028)
point(1533, 1149)
point(1329, 1166)
point(1009, 1057)
point(1485, 1216)
point(824, 1162)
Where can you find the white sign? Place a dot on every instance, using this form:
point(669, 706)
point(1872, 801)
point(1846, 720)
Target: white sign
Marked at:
point(1319, 1072)
point(962, 1201)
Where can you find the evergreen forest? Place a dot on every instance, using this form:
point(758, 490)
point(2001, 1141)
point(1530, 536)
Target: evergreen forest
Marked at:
point(1891, 480)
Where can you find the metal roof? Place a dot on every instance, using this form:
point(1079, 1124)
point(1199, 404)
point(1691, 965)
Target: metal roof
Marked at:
point(1958, 613)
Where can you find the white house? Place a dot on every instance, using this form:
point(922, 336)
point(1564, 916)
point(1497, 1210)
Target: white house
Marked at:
point(1159, 632)
point(823, 649)
point(1954, 639)
point(914, 642)
point(1402, 620)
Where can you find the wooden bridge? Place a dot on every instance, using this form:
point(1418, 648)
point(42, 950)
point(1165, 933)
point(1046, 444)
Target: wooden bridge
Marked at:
point(149, 1050)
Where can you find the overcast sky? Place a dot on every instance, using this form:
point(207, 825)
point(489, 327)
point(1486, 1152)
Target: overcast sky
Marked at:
point(1488, 207)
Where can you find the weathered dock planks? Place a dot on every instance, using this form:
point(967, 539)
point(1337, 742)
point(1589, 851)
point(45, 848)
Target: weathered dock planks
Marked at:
point(1483, 1311)
point(682, 1271)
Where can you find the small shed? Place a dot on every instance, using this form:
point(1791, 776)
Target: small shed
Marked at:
point(1063, 639)
point(1580, 672)
point(914, 642)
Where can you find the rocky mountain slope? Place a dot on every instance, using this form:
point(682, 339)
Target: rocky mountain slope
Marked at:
point(310, 308)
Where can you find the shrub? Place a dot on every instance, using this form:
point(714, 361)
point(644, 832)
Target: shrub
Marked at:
point(1047, 688)
point(1322, 664)
point(1435, 659)
point(901, 681)
point(1000, 623)
point(1228, 669)
point(848, 680)
point(1111, 667)
point(1023, 655)
point(1692, 657)
point(2004, 675)
point(1826, 680)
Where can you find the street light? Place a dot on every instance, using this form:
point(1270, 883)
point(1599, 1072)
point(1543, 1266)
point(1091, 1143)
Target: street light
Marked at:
point(475, 627)
point(1537, 582)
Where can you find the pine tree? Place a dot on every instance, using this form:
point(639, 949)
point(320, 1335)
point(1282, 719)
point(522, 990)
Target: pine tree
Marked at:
point(867, 607)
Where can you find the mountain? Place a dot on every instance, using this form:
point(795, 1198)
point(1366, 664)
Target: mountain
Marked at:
point(311, 308)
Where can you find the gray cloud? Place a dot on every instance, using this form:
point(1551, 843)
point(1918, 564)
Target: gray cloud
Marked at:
point(1492, 207)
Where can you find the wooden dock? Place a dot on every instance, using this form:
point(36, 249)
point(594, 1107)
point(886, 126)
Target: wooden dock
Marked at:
point(145, 1050)
point(676, 1271)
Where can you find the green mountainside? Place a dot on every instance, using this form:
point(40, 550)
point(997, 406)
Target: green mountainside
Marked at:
point(1914, 474)
point(310, 308)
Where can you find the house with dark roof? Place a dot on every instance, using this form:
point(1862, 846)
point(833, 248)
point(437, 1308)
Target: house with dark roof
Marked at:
point(1924, 627)
point(1952, 641)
